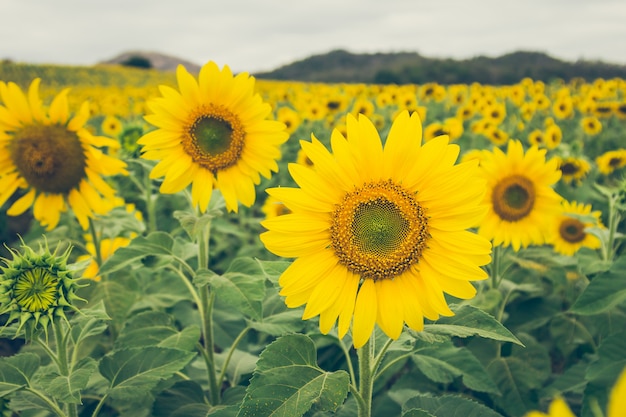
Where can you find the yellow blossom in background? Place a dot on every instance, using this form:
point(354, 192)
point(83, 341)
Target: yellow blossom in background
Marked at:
point(522, 203)
point(111, 126)
point(49, 156)
point(568, 233)
point(591, 125)
point(213, 132)
point(379, 233)
point(573, 169)
point(611, 161)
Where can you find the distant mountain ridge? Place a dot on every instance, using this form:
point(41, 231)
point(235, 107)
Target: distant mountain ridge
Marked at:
point(339, 66)
point(411, 67)
point(158, 60)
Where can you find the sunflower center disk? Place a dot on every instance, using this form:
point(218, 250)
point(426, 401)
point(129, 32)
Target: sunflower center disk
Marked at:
point(35, 290)
point(379, 230)
point(572, 230)
point(214, 138)
point(513, 198)
point(50, 158)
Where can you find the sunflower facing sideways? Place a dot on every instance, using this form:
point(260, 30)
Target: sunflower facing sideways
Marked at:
point(212, 133)
point(522, 202)
point(379, 233)
point(52, 158)
point(569, 232)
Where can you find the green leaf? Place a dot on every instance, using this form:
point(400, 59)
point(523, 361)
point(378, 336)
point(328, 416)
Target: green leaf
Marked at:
point(604, 292)
point(446, 406)
point(517, 375)
point(611, 360)
point(572, 380)
point(287, 381)
point(132, 372)
point(443, 363)
point(67, 389)
point(179, 398)
point(273, 269)
point(92, 322)
point(16, 372)
point(288, 321)
point(243, 292)
point(117, 298)
point(155, 328)
point(470, 321)
point(154, 250)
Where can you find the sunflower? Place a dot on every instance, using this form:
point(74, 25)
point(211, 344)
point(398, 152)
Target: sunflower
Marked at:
point(522, 202)
point(111, 126)
point(213, 133)
point(573, 169)
point(615, 407)
point(591, 125)
point(379, 233)
point(553, 136)
point(569, 233)
point(611, 161)
point(52, 159)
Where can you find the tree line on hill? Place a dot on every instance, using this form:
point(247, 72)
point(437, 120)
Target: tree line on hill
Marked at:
point(411, 68)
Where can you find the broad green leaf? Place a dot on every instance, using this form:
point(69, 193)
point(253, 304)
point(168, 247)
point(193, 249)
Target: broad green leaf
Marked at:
point(273, 269)
point(180, 398)
point(156, 328)
point(16, 372)
point(161, 292)
point(67, 389)
point(243, 292)
point(605, 291)
point(246, 266)
point(287, 381)
point(288, 321)
point(572, 380)
point(241, 363)
point(611, 360)
point(417, 413)
point(134, 371)
point(517, 375)
point(152, 250)
point(446, 406)
point(443, 363)
point(91, 322)
point(117, 298)
point(471, 321)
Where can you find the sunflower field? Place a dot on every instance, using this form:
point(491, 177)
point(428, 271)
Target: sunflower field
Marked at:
point(191, 245)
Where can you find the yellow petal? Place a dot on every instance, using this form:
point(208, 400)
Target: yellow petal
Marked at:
point(22, 204)
point(365, 311)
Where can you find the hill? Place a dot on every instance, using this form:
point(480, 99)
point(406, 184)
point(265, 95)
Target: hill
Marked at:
point(155, 60)
point(411, 67)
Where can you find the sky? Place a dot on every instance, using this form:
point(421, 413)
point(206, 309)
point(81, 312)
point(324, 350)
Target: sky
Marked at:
point(262, 35)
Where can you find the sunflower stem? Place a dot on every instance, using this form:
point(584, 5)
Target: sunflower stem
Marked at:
point(346, 352)
point(96, 242)
point(208, 299)
point(52, 404)
point(61, 344)
point(366, 380)
point(495, 266)
point(150, 206)
point(239, 338)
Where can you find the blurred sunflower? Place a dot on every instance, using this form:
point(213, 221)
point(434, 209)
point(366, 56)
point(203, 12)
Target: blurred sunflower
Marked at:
point(213, 133)
point(111, 126)
point(615, 408)
point(108, 246)
point(568, 234)
point(522, 203)
point(536, 138)
point(553, 136)
point(573, 169)
point(272, 207)
point(289, 117)
point(591, 125)
point(611, 161)
point(53, 158)
point(379, 233)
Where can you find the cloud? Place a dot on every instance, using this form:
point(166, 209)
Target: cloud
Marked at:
point(249, 35)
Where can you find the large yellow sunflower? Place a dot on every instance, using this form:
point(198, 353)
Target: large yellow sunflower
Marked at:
point(522, 202)
point(52, 158)
point(569, 234)
point(213, 133)
point(379, 233)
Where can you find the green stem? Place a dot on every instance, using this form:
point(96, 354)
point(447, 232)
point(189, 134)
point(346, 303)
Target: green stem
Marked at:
point(208, 299)
point(381, 356)
point(239, 338)
point(96, 242)
point(346, 352)
point(614, 219)
point(150, 206)
point(61, 344)
point(366, 380)
point(47, 400)
point(495, 267)
point(96, 411)
point(190, 287)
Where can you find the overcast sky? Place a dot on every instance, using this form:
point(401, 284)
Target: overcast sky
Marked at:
point(260, 35)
